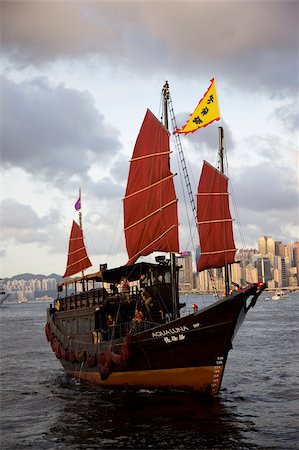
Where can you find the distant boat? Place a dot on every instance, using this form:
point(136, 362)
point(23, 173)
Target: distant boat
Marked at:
point(3, 295)
point(122, 327)
point(279, 295)
point(44, 298)
point(22, 298)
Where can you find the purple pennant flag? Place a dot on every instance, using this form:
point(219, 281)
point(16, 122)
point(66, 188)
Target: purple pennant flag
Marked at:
point(78, 202)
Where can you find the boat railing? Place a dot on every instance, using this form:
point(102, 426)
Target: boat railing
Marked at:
point(94, 298)
point(120, 330)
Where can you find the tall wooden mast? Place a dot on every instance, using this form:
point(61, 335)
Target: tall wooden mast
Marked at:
point(173, 274)
point(221, 169)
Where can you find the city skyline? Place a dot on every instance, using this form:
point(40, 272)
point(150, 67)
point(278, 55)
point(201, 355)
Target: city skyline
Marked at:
point(273, 262)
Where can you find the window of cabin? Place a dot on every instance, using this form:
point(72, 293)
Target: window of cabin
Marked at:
point(74, 326)
point(86, 324)
point(80, 328)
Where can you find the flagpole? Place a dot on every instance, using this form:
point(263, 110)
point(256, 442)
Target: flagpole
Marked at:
point(79, 213)
point(80, 225)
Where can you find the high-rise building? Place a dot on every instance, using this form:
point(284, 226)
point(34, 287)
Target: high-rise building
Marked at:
point(263, 270)
point(280, 272)
point(262, 245)
point(266, 245)
point(197, 255)
point(289, 253)
point(279, 248)
point(236, 272)
point(186, 273)
point(251, 275)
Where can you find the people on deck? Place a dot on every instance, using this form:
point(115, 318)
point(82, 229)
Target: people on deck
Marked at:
point(124, 285)
point(137, 320)
point(143, 281)
point(113, 288)
point(110, 325)
point(147, 299)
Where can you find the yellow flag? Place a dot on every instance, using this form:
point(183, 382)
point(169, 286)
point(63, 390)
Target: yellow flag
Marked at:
point(206, 111)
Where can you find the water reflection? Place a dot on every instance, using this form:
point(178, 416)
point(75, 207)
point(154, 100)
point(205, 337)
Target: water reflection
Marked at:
point(91, 417)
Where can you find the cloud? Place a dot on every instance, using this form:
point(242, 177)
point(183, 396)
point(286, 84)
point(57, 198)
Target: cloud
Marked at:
point(234, 39)
point(287, 113)
point(265, 187)
point(54, 133)
point(21, 224)
point(267, 199)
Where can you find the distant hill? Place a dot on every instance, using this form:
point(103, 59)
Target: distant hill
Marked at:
point(31, 276)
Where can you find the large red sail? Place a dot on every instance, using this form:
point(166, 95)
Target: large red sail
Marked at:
point(214, 220)
point(77, 256)
point(150, 203)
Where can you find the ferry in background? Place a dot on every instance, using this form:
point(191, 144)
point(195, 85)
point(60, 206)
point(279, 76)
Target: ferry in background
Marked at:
point(279, 295)
point(3, 295)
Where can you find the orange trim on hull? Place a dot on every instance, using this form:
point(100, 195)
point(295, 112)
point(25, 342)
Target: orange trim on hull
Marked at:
point(205, 379)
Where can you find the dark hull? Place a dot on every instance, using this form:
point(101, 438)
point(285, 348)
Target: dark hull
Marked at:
point(186, 353)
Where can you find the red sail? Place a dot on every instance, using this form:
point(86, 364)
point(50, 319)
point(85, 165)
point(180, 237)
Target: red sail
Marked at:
point(150, 204)
point(77, 257)
point(214, 220)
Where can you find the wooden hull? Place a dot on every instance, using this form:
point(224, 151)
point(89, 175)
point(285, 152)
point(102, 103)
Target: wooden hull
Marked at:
point(188, 353)
point(189, 378)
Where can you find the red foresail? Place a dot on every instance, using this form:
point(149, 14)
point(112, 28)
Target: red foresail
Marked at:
point(150, 204)
point(214, 220)
point(77, 257)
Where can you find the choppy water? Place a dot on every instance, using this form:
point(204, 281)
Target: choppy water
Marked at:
point(41, 408)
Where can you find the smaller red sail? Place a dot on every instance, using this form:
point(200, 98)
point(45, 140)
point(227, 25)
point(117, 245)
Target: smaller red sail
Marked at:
point(214, 220)
point(77, 256)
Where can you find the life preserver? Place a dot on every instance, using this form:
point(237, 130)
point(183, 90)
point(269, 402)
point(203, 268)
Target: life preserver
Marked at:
point(90, 360)
point(57, 305)
point(80, 356)
point(72, 357)
point(105, 364)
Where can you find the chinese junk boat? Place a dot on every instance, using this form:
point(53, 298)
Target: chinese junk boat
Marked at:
point(130, 333)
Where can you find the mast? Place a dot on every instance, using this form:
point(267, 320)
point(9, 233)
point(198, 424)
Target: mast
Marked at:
point(173, 274)
point(221, 168)
point(80, 225)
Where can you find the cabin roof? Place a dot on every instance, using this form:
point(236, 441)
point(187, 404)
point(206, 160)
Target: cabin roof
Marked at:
point(131, 272)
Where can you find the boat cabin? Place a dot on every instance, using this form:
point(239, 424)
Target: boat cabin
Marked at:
point(108, 304)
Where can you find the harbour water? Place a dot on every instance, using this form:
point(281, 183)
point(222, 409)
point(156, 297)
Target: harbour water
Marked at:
point(42, 408)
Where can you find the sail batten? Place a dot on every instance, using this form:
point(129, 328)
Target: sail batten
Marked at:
point(77, 256)
point(150, 203)
point(214, 220)
point(152, 214)
point(149, 186)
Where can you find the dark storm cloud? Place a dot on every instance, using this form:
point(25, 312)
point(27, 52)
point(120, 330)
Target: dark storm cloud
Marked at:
point(53, 132)
point(254, 44)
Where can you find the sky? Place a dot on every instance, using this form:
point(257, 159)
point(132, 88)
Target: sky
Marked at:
point(76, 80)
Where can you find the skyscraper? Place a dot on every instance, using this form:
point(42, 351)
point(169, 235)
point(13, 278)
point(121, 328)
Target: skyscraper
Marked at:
point(266, 245)
point(186, 273)
point(263, 270)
